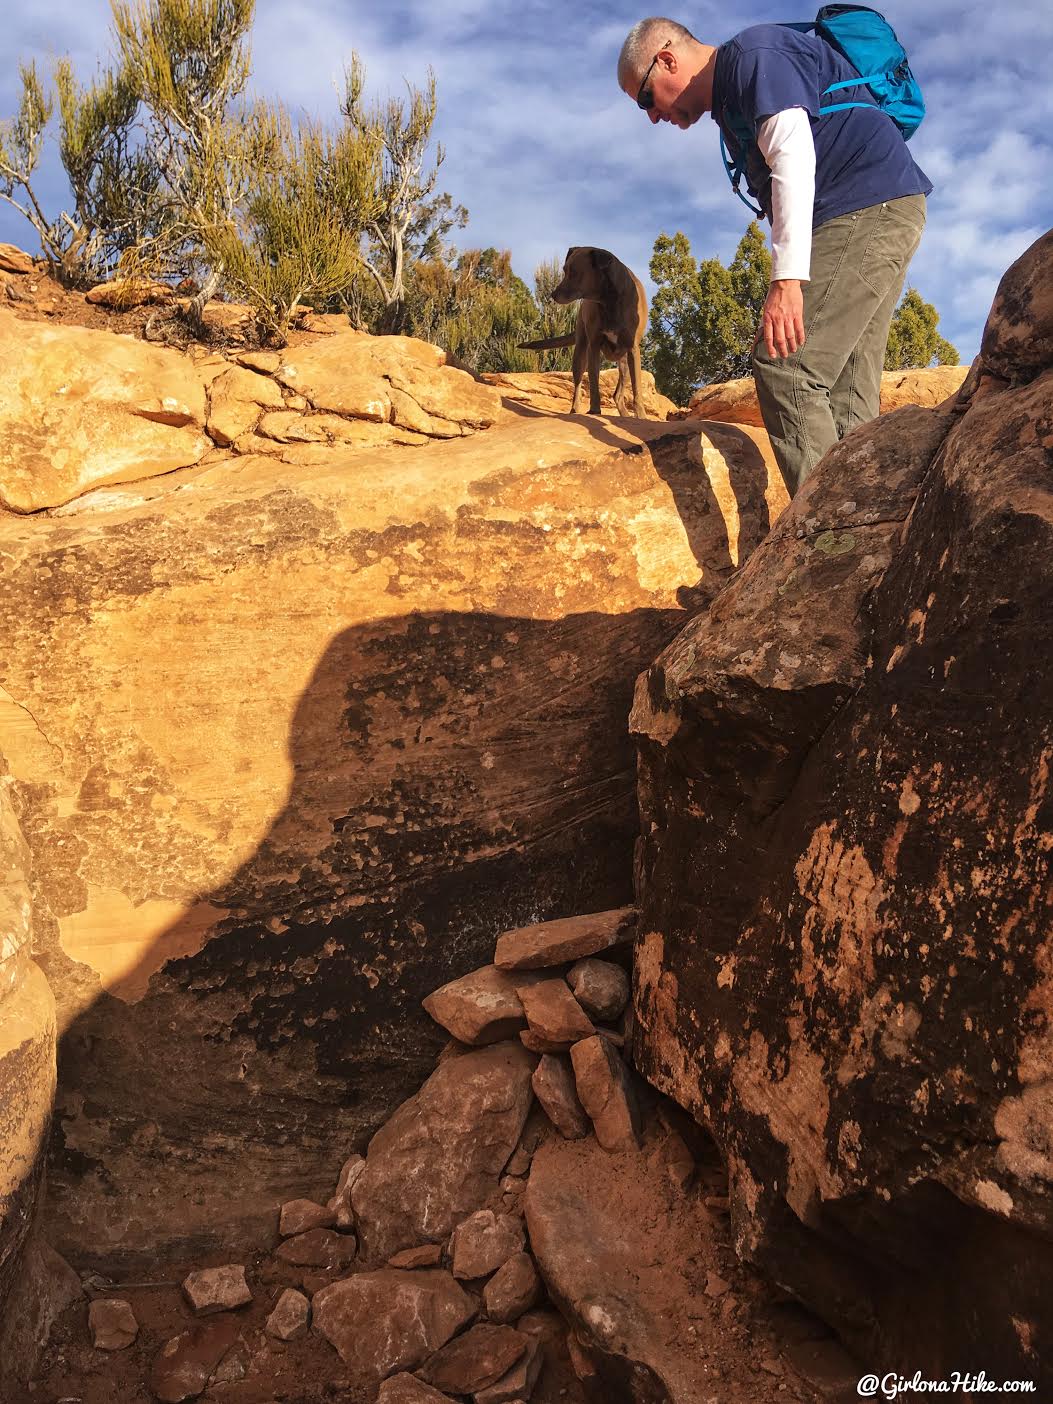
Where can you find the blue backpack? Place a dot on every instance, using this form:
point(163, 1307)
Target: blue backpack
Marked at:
point(868, 42)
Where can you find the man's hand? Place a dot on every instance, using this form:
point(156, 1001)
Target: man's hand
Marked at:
point(782, 320)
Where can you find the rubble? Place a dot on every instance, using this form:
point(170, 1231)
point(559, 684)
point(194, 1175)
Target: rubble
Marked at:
point(321, 1248)
point(302, 1215)
point(606, 1094)
point(112, 1323)
point(290, 1317)
point(485, 1242)
point(481, 1357)
point(217, 1289)
point(513, 1290)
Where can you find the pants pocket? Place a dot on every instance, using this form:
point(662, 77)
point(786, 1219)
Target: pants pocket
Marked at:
point(892, 242)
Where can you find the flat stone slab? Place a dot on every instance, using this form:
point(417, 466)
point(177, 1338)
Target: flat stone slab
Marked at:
point(386, 1321)
point(217, 1289)
point(302, 1215)
point(567, 939)
point(479, 1008)
point(112, 1323)
point(185, 1364)
point(553, 1014)
point(475, 1360)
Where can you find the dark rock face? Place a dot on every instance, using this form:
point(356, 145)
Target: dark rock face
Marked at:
point(305, 742)
point(844, 965)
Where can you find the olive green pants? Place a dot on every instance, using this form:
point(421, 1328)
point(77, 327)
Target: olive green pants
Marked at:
point(811, 399)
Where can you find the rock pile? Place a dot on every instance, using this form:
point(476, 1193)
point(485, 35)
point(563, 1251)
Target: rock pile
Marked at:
point(519, 1230)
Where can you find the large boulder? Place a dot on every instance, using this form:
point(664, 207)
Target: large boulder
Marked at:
point(735, 401)
point(293, 744)
point(844, 961)
point(81, 408)
point(27, 1089)
point(441, 1155)
point(552, 391)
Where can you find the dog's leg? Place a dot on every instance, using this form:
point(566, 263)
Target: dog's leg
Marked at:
point(578, 370)
point(594, 378)
point(619, 389)
point(636, 377)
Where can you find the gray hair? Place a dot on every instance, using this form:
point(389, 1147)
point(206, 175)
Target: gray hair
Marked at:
point(646, 38)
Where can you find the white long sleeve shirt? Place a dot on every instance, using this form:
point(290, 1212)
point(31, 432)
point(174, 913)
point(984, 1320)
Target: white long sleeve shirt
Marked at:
point(785, 142)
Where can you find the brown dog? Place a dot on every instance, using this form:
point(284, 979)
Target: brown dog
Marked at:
point(612, 317)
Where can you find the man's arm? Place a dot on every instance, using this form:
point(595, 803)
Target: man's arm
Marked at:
point(785, 142)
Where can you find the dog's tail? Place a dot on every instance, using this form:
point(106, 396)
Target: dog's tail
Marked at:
point(552, 344)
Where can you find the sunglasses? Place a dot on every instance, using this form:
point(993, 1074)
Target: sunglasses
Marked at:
point(645, 101)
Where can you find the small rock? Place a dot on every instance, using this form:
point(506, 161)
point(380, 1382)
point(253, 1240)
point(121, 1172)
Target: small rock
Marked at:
point(185, 1364)
point(14, 260)
point(580, 1360)
point(475, 1360)
point(570, 938)
point(340, 1203)
point(427, 1255)
point(233, 1368)
point(484, 1242)
point(112, 1323)
point(513, 1184)
point(553, 1083)
point(675, 1161)
point(536, 1044)
point(771, 1365)
point(553, 1013)
point(302, 1215)
point(386, 1321)
point(290, 1316)
point(481, 1007)
point(606, 1094)
point(407, 1389)
point(217, 1289)
point(600, 987)
point(718, 1202)
point(512, 1290)
point(319, 1248)
point(520, 1162)
point(716, 1286)
point(543, 1325)
point(518, 1383)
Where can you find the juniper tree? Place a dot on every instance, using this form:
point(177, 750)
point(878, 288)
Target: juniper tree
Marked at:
point(408, 220)
point(704, 316)
point(913, 339)
point(290, 241)
point(189, 62)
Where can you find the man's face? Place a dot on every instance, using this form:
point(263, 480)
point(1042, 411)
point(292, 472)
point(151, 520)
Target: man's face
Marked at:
point(667, 89)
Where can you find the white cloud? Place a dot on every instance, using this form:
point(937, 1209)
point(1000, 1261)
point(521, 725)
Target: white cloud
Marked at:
point(545, 152)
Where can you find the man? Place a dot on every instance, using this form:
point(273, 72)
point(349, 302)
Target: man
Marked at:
point(845, 201)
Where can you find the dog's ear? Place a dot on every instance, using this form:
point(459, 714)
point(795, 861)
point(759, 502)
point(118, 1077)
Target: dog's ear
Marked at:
point(602, 258)
point(572, 251)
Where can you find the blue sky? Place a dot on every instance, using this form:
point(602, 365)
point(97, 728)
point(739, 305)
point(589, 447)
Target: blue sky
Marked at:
point(545, 151)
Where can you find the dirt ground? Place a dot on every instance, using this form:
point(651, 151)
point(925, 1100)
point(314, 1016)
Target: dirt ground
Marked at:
point(761, 1348)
